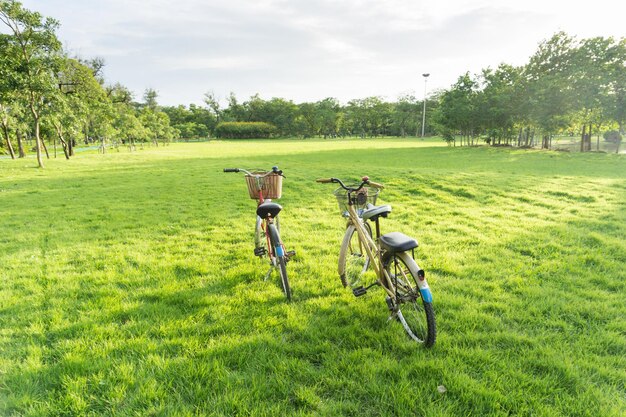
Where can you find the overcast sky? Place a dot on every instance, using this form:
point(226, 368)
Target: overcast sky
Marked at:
point(311, 49)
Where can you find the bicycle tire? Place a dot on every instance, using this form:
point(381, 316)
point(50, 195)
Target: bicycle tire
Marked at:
point(279, 259)
point(416, 315)
point(259, 235)
point(353, 258)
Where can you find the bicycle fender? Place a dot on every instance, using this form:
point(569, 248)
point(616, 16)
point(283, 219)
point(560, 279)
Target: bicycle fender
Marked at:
point(424, 288)
point(427, 295)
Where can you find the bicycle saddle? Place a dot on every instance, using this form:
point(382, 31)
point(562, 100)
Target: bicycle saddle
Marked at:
point(372, 212)
point(268, 209)
point(397, 242)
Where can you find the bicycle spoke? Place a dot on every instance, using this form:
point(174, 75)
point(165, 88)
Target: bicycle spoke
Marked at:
point(415, 315)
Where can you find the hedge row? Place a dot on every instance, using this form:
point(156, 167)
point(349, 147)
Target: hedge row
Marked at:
point(244, 130)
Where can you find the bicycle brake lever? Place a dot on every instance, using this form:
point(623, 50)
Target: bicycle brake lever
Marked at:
point(275, 170)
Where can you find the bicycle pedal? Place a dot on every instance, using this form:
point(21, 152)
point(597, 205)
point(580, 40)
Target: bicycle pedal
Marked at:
point(359, 291)
point(290, 253)
point(260, 251)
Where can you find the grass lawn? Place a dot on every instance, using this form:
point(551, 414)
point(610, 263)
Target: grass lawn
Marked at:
point(128, 285)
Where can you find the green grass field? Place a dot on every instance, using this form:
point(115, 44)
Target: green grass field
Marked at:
point(128, 286)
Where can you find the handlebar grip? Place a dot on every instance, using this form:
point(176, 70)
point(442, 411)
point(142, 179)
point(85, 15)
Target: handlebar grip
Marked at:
point(231, 169)
point(324, 180)
point(375, 185)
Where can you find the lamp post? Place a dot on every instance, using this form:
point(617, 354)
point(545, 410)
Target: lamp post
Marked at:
point(424, 111)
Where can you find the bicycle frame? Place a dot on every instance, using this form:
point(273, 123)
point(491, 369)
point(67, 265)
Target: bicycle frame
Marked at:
point(267, 221)
point(391, 257)
point(373, 251)
point(264, 226)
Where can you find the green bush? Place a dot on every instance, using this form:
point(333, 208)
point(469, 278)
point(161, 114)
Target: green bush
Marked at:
point(612, 136)
point(244, 130)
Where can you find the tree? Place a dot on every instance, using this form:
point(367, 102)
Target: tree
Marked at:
point(369, 116)
point(32, 40)
point(457, 112)
point(615, 105)
point(328, 117)
point(307, 121)
point(150, 99)
point(82, 106)
point(550, 90)
point(592, 62)
point(211, 100)
point(499, 104)
point(8, 100)
point(404, 115)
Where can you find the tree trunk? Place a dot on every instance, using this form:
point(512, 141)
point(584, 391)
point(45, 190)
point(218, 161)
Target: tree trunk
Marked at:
point(525, 136)
point(59, 130)
point(582, 138)
point(545, 142)
point(5, 130)
point(45, 148)
point(65, 147)
point(37, 138)
point(20, 145)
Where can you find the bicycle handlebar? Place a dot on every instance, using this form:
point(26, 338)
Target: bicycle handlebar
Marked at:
point(274, 170)
point(365, 181)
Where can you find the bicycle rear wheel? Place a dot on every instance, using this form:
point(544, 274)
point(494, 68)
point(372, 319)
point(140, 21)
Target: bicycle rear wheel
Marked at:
point(278, 259)
point(414, 313)
point(353, 258)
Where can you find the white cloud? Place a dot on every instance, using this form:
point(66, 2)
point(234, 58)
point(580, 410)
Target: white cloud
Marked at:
point(311, 49)
point(202, 63)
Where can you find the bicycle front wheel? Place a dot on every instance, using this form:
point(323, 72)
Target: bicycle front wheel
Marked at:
point(278, 259)
point(414, 313)
point(353, 258)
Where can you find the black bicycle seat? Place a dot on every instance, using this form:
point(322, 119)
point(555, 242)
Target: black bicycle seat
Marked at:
point(397, 242)
point(268, 209)
point(372, 212)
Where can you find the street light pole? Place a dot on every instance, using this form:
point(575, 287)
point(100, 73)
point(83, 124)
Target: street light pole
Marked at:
point(424, 111)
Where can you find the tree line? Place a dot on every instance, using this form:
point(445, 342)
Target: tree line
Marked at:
point(327, 118)
point(48, 97)
point(568, 86)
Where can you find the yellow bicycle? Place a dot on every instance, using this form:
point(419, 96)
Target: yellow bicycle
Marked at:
point(391, 256)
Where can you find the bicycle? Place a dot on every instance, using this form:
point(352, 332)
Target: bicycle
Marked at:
point(391, 256)
point(264, 186)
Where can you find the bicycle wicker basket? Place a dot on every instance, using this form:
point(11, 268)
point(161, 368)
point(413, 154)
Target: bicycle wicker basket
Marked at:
point(362, 197)
point(271, 184)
